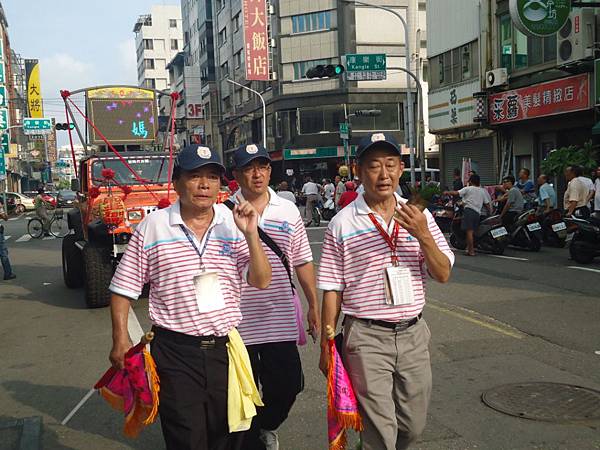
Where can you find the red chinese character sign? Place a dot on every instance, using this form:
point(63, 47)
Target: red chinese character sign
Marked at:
point(540, 100)
point(256, 43)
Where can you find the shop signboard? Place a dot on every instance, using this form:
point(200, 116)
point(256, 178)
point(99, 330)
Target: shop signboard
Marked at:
point(540, 100)
point(452, 107)
point(597, 82)
point(539, 17)
point(256, 39)
point(317, 153)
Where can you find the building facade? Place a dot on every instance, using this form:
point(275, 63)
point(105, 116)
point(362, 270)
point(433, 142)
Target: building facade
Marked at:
point(504, 98)
point(302, 115)
point(158, 38)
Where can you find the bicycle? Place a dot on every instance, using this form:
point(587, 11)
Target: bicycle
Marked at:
point(57, 225)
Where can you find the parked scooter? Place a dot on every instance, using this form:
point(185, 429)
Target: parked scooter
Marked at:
point(490, 235)
point(526, 231)
point(554, 228)
point(442, 210)
point(585, 245)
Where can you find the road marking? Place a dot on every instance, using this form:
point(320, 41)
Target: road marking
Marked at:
point(48, 238)
point(478, 319)
point(587, 269)
point(315, 242)
point(24, 238)
point(6, 238)
point(514, 258)
point(133, 326)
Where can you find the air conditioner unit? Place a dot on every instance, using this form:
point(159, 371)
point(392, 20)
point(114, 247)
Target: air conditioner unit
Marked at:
point(496, 77)
point(575, 40)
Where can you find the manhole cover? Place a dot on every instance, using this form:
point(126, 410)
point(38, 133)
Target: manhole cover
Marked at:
point(550, 402)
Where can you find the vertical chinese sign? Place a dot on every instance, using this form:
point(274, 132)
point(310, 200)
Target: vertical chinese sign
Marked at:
point(4, 116)
point(541, 100)
point(256, 39)
point(34, 89)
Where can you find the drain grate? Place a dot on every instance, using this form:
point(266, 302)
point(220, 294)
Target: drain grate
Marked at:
point(549, 402)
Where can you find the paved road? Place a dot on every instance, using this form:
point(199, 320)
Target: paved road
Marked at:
point(527, 317)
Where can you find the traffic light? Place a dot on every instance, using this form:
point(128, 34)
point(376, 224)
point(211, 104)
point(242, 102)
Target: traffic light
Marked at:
point(328, 71)
point(64, 126)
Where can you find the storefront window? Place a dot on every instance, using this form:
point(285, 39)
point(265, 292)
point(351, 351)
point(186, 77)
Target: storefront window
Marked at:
point(389, 120)
point(324, 119)
point(518, 51)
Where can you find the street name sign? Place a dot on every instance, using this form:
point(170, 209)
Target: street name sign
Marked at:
point(37, 126)
point(344, 130)
point(366, 67)
point(539, 17)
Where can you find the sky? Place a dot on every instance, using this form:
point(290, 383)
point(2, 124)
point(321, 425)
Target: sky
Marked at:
point(80, 43)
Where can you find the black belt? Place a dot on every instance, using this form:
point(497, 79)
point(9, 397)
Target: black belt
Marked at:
point(204, 342)
point(396, 326)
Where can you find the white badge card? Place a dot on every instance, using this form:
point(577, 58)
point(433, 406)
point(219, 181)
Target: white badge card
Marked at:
point(398, 286)
point(209, 296)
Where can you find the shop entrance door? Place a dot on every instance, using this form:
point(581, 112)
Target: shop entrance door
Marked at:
point(546, 143)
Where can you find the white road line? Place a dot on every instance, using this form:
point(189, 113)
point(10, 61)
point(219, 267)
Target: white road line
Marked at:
point(514, 258)
point(14, 218)
point(587, 269)
point(133, 326)
point(6, 238)
point(48, 238)
point(315, 242)
point(24, 238)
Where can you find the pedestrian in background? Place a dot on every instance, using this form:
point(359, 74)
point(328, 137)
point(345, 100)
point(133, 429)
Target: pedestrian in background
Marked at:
point(8, 273)
point(513, 201)
point(284, 192)
point(527, 188)
point(328, 189)
point(597, 191)
point(339, 190)
point(41, 210)
point(270, 328)
point(576, 199)
point(457, 183)
point(546, 194)
point(311, 192)
point(349, 196)
point(377, 253)
point(196, 256)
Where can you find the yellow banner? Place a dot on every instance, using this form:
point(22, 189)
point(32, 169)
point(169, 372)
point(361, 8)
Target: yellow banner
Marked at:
point(34, 90)
point(126, 92)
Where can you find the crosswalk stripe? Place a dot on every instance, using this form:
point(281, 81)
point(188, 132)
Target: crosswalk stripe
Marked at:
point(6, 238)
point(24, 238)
point(48, 238)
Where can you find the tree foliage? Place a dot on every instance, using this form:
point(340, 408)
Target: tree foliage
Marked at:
point(558, 160)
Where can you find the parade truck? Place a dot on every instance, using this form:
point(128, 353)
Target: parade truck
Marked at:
point(124, 176)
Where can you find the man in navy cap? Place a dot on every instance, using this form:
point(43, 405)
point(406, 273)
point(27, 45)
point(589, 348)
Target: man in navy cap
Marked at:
point(270, 326)
point(377, 253)
point(196, 256)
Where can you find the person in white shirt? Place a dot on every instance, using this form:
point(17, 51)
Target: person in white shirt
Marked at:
point(474, 197)
point(311, 191)
point(284, 192)
point(328, 189)
point(588, 183)
point(597, 191)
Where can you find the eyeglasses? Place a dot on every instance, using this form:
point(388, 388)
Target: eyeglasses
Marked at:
point(260, 169)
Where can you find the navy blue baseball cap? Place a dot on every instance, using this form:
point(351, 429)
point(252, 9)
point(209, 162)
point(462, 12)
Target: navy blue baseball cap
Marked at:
point(245, 154)
point(194, 156)
point(379, 140)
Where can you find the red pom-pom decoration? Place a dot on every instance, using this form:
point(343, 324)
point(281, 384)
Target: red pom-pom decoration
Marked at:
point(108, 174)
point(164, 203)
point(94, 192)
point(126, 189)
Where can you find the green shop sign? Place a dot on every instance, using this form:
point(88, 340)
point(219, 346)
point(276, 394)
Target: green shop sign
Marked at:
point(318, 152)
point(539, 17)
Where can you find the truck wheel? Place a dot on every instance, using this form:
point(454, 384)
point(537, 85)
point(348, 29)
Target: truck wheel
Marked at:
point(72, 263)
point(98, 273)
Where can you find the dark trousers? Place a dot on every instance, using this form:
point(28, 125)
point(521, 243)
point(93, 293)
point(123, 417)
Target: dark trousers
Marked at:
point(193, 392)
point(4, 255)
point(278, 371)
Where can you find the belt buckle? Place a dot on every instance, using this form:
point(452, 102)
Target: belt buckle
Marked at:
point(401, 326)
point(207, 344)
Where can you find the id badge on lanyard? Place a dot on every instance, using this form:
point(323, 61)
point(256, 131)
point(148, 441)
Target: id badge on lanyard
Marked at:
point(207, 288)
point(397, 279)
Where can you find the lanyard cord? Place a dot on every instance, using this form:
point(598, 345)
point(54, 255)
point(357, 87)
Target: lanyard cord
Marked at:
point(187, 235)
point(391, 242)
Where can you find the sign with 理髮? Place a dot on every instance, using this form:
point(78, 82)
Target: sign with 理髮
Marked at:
point(539, 17)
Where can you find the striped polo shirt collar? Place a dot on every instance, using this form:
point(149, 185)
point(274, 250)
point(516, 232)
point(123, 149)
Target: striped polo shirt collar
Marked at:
point(274, 199)
point(176, 219)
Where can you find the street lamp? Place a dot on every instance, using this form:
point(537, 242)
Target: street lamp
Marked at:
point(264, 108)
point(411, 117)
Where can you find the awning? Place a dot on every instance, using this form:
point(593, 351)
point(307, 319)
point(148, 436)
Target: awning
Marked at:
point(317, 152)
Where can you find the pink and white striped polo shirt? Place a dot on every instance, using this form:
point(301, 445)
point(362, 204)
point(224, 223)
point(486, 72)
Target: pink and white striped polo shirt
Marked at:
point(159, 253)
point(354, 258)
point(268, 315)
